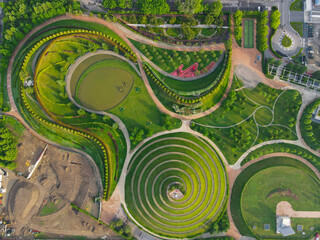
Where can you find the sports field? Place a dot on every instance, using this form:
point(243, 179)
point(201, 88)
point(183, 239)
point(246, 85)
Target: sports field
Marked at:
point(248, 33)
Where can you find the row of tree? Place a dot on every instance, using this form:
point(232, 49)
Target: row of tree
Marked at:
point(8, 147)
point(213, 10)
point(237, 20)
point(21, 16)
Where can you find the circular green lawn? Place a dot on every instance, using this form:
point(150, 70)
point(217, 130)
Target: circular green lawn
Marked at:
point(268, 187)
point(187, 162)
point(103, 84)
point(263, 116)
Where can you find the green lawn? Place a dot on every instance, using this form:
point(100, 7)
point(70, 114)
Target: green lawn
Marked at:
point(181, 158)
point(297, 5)
point(248, 33)
point(233, 128)
point(173, 32)
point(265, 190)
point(208, 31)
point(263, 116)
point(298, 26)
point(245, 176)
point(105, 84)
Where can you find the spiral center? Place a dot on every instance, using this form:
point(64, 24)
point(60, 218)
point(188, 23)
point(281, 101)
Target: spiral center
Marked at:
point(176, 190)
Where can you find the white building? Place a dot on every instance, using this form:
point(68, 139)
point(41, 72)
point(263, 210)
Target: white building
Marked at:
point(284, 226)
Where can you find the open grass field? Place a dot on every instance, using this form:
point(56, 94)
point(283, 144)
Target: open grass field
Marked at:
point(182, 159)
point(267, 188)
point(248, 33)
point(247, 174)
point(104, 85)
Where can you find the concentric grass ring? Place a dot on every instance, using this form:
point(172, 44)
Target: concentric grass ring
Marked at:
point(170, 158)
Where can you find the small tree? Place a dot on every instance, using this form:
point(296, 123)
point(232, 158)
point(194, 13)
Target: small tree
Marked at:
point(109, 4)
point(189, 6)
point(81, 112)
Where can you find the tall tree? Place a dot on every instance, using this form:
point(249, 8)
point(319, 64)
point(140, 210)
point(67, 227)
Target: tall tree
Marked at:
point(237, 16)
point(153, 6)
point(275, 19)
point(122, 4)
point(110, 4)
point(215, 8)
point(189, 6)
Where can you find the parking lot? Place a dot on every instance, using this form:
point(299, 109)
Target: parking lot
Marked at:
point(313, 47)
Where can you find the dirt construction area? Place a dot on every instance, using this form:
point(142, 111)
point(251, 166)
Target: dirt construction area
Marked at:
point(42, 202)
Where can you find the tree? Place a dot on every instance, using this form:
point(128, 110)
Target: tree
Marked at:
point(122, 4)
point(214, 228)
point(109, 4)
point(238, 33)
point(215, 8)
point(189, 6)
point(153, 6)
point(209, 19)
point(237, 16)
point(81, 112)
point(188, 32)
point(275, 19)
point(228, 44)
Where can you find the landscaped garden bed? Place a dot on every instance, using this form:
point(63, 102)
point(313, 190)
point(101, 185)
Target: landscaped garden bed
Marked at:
point(177, 158)
point(170, 60)
point(238, 125)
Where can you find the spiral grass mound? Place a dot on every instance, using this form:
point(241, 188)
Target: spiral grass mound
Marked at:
point(176, 186)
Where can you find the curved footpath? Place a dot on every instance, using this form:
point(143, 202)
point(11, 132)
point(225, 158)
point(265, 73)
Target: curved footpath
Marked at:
point(114, 27)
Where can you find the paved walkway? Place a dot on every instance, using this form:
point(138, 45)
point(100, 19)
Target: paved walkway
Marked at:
point(134, 36)
point(284, 208)
point(174, 26)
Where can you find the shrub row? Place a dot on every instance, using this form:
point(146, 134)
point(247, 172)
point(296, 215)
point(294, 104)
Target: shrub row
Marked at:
point(211, 89)
point(171, 93)
point(56, 35)
point(306, 127)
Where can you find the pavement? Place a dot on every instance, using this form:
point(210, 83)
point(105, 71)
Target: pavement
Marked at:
point(285, 28)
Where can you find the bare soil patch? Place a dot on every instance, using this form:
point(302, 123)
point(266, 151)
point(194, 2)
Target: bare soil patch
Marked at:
point(43, 202)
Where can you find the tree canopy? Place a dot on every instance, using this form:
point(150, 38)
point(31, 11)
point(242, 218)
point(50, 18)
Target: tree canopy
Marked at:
point(215, 8)
point(153, 6)
point(8, 147)
point(189, 6)
point(275, 19)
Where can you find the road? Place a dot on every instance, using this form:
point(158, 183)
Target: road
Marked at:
point(285, 28)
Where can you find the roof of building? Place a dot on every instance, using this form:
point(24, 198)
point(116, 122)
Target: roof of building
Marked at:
point(284, 225)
